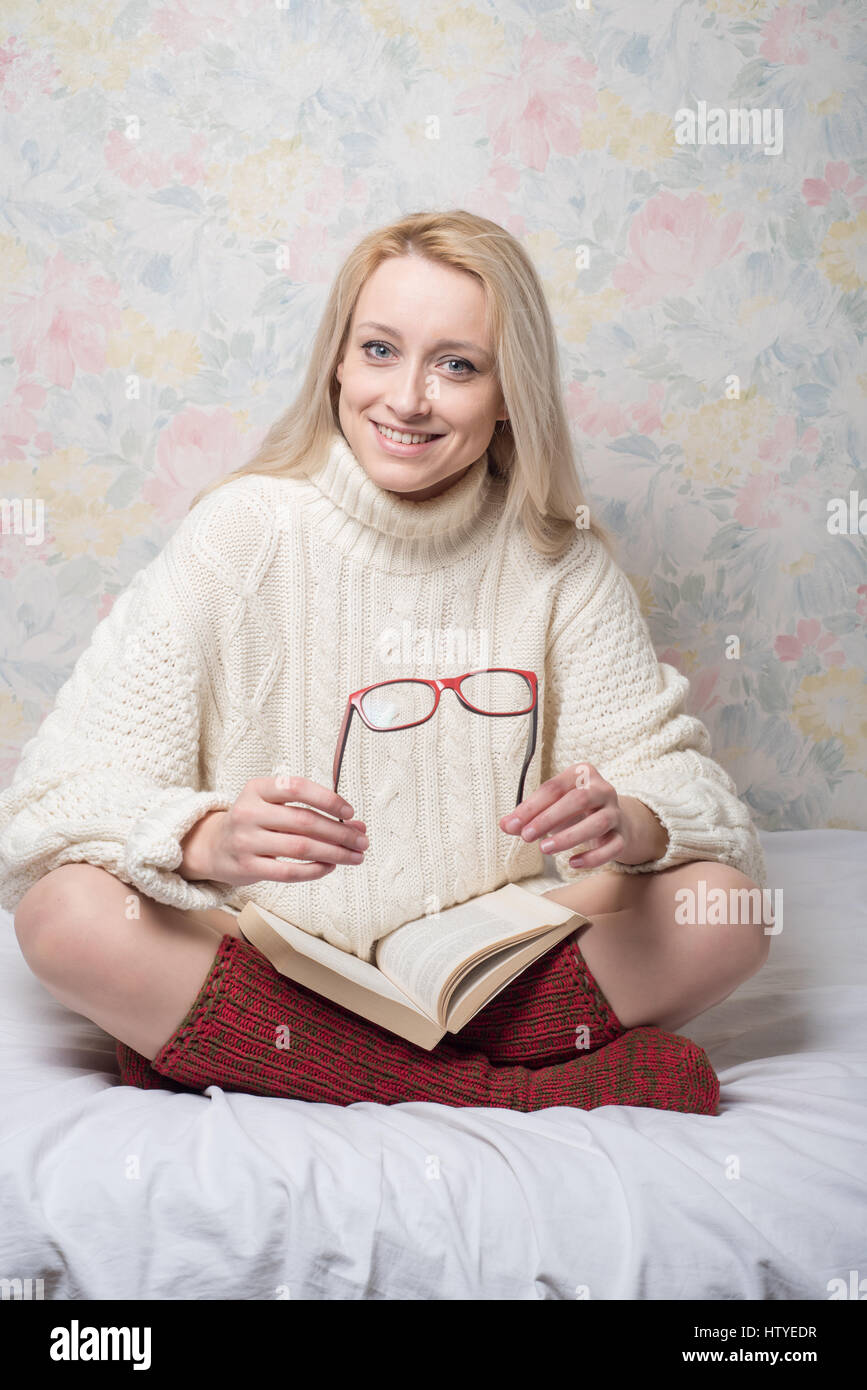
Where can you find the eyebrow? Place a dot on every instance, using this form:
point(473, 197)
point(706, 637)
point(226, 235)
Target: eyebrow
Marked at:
point(440, 343)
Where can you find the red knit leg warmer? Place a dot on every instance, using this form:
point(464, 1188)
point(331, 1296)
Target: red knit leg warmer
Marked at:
point(251, 1029)
point(549, 1012)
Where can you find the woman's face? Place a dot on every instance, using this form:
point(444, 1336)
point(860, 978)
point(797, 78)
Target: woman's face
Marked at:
point(418, 360)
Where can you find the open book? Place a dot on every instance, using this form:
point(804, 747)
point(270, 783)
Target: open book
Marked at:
point(431, 976)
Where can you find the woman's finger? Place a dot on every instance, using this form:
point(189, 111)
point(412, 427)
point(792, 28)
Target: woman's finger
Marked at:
point(572, 808)
point(266, 843)
point(299, 820)
point(531, 808)
point(286, 787)
point(276, 871)
point(606, 850)
point(592, 827)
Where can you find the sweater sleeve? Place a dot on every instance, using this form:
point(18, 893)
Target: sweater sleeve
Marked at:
point(112, 776)
point(617, 707)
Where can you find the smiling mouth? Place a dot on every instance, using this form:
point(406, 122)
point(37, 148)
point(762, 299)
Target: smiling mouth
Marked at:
point(405, 436)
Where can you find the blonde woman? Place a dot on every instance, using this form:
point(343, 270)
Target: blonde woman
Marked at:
point(421, 491)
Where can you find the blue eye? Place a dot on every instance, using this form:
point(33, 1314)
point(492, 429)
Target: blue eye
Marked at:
point(470, 369)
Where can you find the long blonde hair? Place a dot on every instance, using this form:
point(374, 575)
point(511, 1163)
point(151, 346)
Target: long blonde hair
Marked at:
point(532, 448)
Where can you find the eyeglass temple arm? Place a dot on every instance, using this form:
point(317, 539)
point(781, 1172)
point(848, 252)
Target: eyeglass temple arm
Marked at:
point(528, 756)
point(341, 746)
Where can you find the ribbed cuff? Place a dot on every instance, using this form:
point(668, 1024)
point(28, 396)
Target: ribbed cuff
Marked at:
point(153, 851)
point(690, 836)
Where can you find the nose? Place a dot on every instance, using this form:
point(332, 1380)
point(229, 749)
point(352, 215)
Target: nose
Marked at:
point(407, 396)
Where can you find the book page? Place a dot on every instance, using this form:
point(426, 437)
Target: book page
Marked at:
point(484, 982)
point(343, 963)
point(336, 975)
point(426, 957)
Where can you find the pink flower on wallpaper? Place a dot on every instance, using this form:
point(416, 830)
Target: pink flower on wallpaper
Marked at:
point(330, 190)
point(702, 688)
point(135, 164)
point(673, 242)
point(646, 415)
point(193, 450)
point(312, 248)
point(777, 448)
point(530, 113)
point(838, 177)
point(22, 74)
point(789, 648)
point(190, 23)
point(494, 197)
point(761, 502)
point(19, 420)
point(769, 502)
point(106, 603)
point(672, 657)
point(782, 40)
point(7, 57)
point(596, 415)
point(63, 327)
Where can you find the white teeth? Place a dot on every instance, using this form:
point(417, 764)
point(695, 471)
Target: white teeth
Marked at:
point(404, 438)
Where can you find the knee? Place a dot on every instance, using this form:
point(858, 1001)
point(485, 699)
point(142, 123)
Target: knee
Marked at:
point(57, 915)
point(740, 937)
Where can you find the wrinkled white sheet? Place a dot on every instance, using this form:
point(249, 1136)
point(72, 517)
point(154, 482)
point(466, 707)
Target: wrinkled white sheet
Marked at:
point(244, 1197)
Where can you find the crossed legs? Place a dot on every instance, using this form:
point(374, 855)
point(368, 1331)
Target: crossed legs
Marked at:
point(136, 976)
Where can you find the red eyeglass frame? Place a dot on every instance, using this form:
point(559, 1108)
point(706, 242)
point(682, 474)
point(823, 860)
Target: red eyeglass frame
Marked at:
point(438, 685)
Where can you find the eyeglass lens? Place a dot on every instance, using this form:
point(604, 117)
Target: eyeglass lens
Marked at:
point(406, 702)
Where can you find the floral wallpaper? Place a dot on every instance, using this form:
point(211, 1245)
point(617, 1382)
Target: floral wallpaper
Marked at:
point(182, 178)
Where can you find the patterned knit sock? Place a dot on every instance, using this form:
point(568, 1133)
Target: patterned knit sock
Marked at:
point(251, 1029)
point(136, 1070)
point(550, 1012)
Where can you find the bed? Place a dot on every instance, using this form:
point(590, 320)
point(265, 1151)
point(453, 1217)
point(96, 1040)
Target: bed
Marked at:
point(111, 1192)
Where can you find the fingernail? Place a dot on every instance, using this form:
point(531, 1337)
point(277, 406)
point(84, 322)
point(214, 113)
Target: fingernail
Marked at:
point(546, 845)
point(529, 833)
point(345, 809)
point(512, 824)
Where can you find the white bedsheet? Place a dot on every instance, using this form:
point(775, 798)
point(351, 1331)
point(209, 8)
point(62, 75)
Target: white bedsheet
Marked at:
point(244, 1197)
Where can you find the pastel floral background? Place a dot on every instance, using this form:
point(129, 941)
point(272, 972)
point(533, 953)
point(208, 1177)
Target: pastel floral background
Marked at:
point(180, 181)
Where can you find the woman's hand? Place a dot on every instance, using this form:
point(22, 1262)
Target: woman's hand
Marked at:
point(578, 807)
point(240, 846)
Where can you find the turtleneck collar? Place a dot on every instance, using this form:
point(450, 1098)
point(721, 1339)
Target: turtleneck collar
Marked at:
point(388, 531)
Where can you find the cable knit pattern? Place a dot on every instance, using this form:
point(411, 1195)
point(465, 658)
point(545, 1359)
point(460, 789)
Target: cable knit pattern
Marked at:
point(230, 656)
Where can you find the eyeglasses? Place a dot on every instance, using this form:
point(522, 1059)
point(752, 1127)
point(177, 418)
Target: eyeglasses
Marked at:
point(498, 691)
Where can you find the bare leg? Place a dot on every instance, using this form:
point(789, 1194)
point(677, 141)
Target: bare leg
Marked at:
point(651, 968)
point(134, 976)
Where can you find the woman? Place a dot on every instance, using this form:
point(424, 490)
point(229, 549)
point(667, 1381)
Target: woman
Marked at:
point(421, 490)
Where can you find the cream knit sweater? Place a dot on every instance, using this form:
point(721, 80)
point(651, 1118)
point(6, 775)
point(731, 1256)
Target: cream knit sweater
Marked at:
point(230, 656)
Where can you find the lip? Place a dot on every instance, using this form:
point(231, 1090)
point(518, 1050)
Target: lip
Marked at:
point(404, 450)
